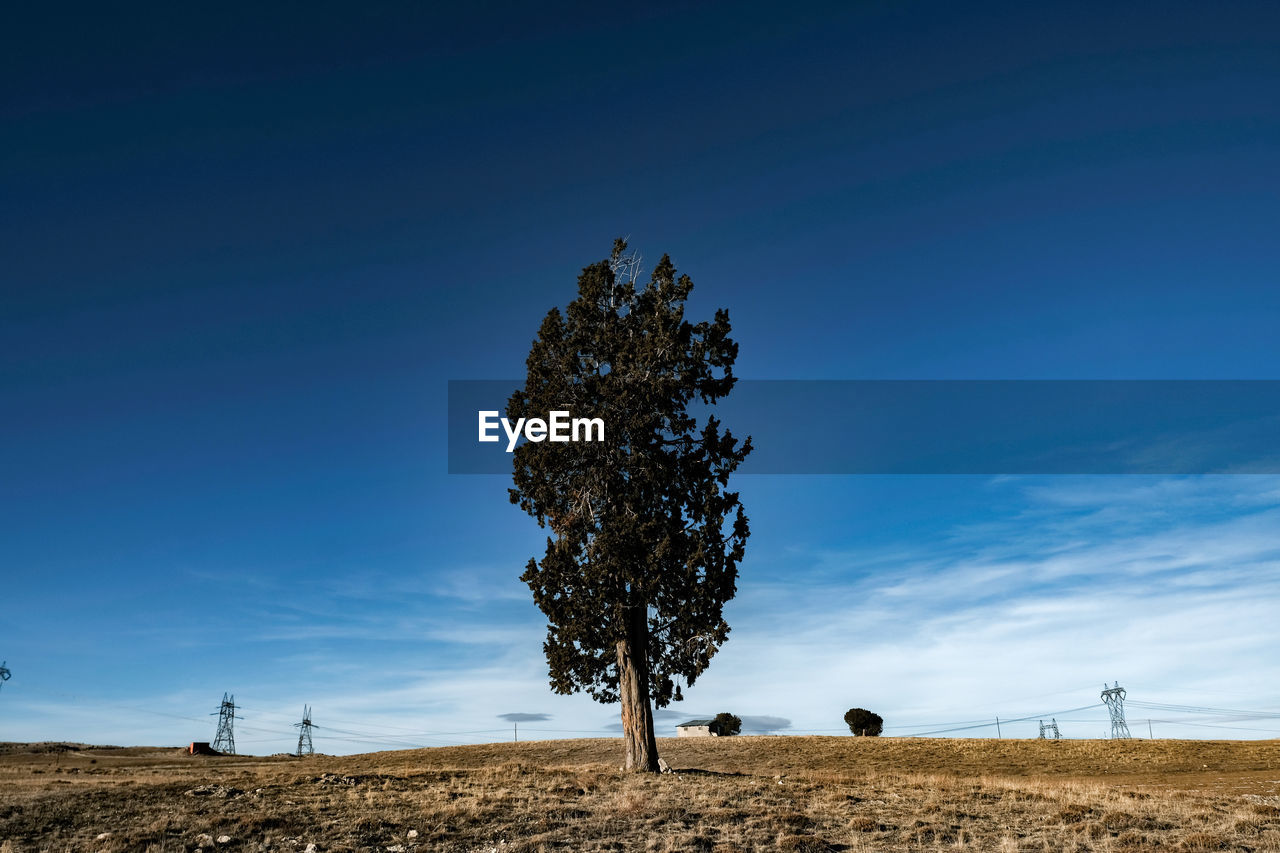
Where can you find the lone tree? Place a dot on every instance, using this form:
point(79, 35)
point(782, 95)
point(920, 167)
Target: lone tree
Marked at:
point(645, 536)
point(863, 722)
point(727, 724)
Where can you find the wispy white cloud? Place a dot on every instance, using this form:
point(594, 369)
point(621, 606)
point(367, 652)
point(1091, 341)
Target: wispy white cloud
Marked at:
point(1155, 582)
point(1168, 585)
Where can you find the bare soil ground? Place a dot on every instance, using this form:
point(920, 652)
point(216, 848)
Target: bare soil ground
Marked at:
point(728, 794)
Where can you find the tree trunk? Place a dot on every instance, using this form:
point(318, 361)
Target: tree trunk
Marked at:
point(633, 689)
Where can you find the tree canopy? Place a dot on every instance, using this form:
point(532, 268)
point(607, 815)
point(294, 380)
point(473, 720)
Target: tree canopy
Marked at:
point(646, 537)
point(863, 722)
point(726, 724)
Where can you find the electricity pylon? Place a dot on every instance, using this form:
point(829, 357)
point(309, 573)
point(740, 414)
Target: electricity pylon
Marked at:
point(1050, 731)
point(225, 740)
point(4, 673)
point(1113, 698)
point(304, 733)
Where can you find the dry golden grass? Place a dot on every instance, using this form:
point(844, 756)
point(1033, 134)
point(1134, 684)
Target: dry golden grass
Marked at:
point(730, 794)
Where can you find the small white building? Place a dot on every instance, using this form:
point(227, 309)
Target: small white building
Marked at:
point(697, 728)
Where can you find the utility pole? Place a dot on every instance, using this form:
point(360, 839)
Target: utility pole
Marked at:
point(305, 746)
point(1149, 734)
point(225, 740)
point(515, 729)
point(1113, 698)
point(998, 728)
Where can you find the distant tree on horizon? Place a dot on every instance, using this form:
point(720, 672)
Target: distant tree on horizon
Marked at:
point(864, 723)
point(726, 724)
point(645, 535)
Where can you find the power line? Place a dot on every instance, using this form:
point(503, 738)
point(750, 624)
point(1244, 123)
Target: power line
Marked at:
point(390, 732)
point(988, 725)
point(1164, 706)
point(402, 737)
point(1213, 726)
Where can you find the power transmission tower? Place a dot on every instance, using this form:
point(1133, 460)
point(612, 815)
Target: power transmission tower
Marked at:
point(1050, 731)
point(4, 673)
point(1113, 698)
point(304, 733)
point(225, 740)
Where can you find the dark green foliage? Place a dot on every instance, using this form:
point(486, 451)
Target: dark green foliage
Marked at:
point(726, 724)
point(644, 531)
point(863, 722)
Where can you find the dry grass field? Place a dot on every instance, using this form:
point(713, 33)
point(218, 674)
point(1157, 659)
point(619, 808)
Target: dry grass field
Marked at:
point(730, 794)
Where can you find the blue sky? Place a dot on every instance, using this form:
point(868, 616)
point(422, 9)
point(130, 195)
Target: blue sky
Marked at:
point(245, 251)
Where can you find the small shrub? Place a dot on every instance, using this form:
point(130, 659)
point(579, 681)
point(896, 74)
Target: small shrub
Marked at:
point(863, 823)
point(864, 723)
point(726, 724)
